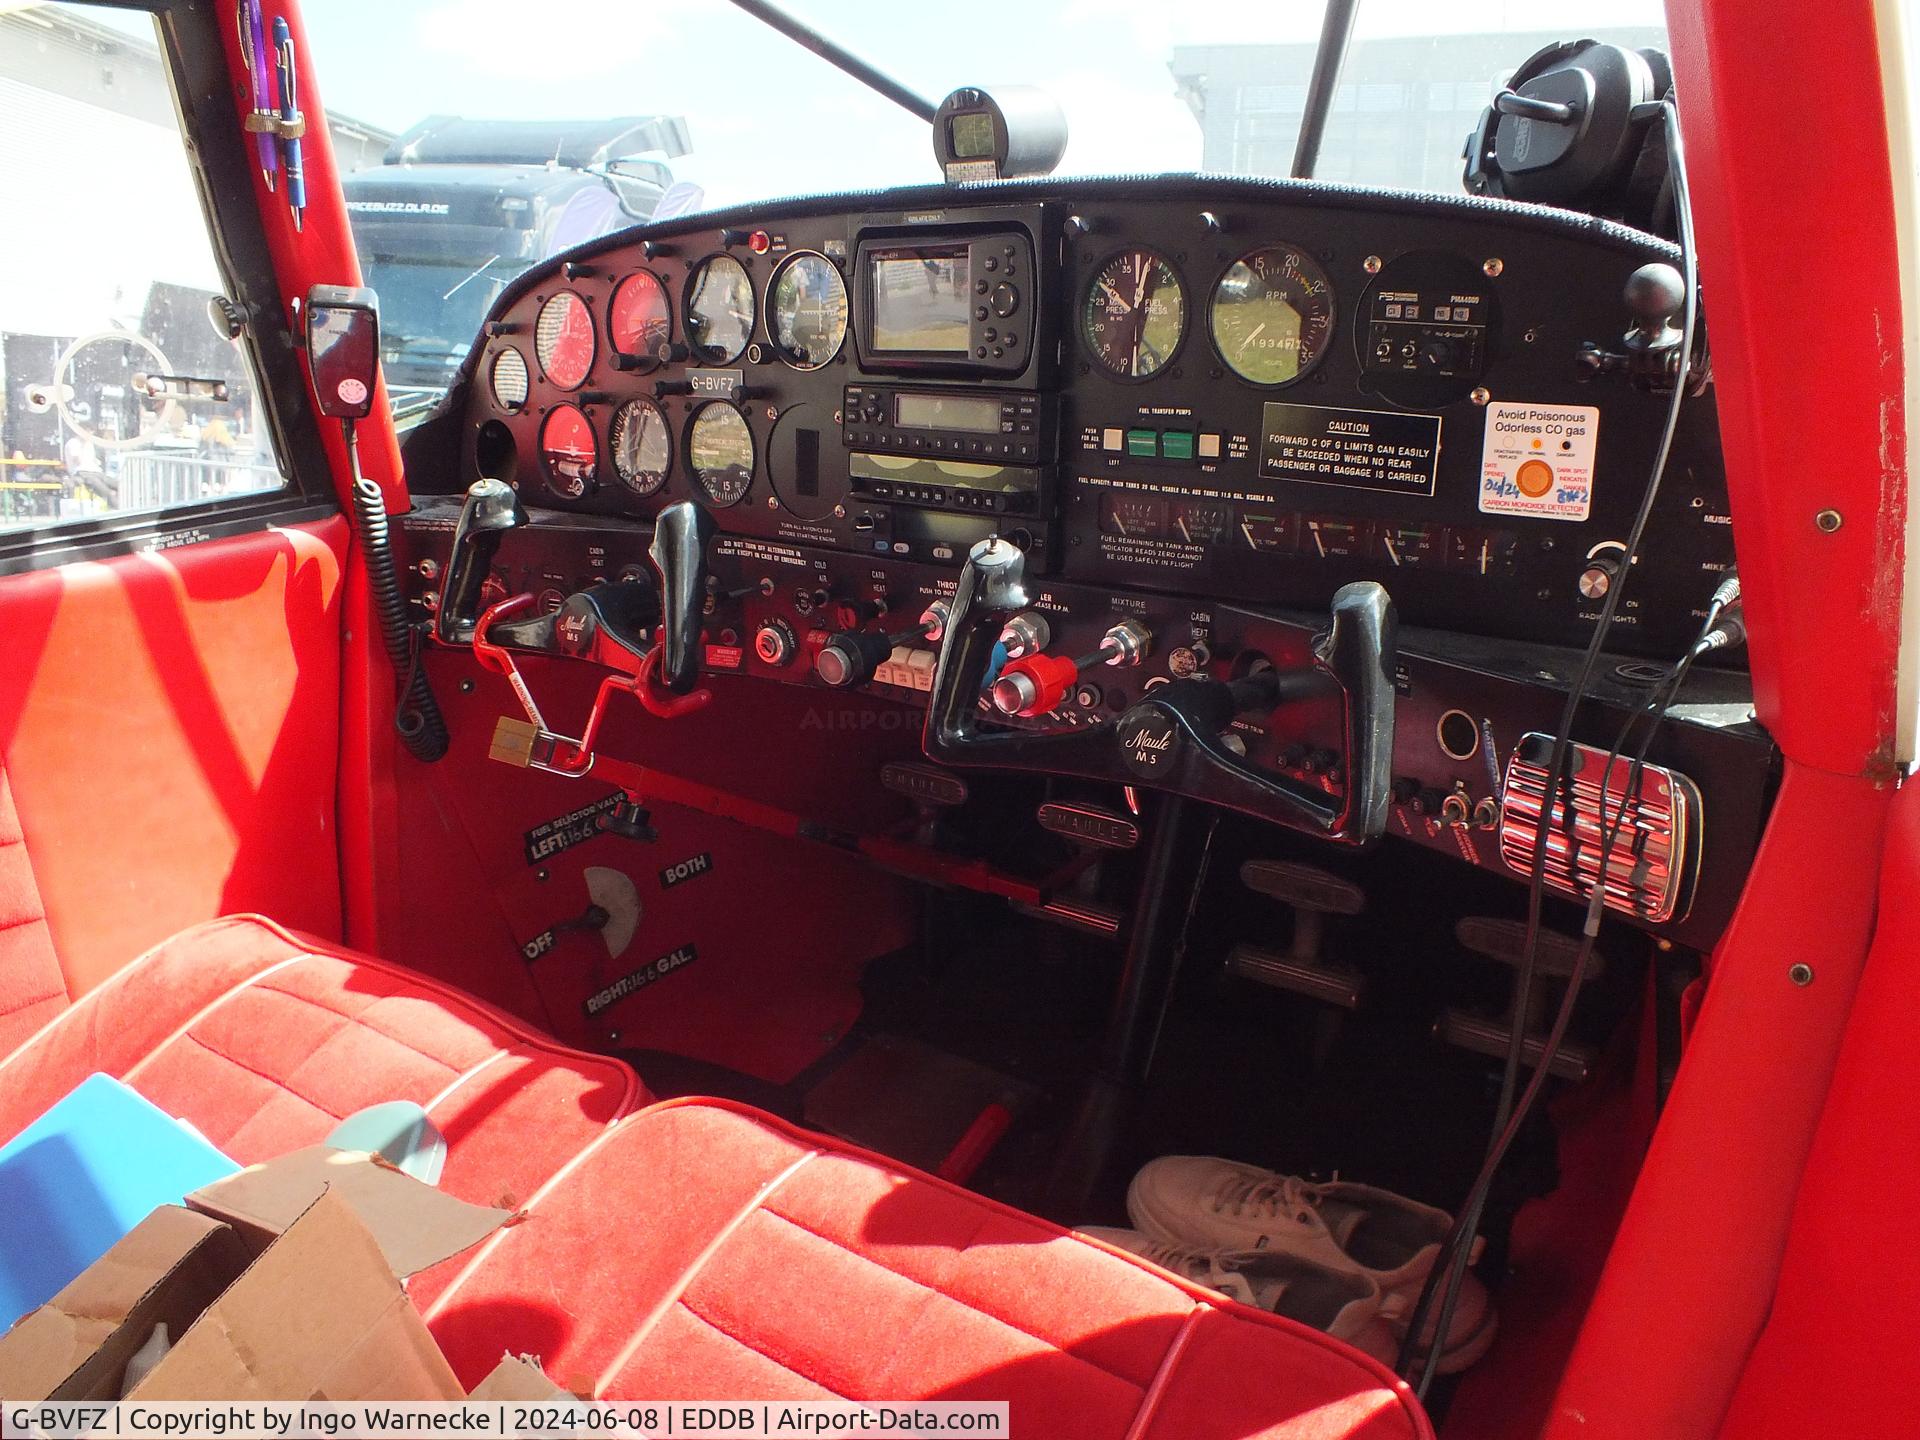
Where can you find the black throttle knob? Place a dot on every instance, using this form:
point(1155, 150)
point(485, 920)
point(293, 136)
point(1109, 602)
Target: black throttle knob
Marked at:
point(850, 657)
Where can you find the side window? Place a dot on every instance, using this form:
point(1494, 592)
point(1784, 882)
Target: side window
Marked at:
point(120, 396)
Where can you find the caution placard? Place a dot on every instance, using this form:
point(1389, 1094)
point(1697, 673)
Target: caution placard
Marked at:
point(1537, 460)
point(1362, 449)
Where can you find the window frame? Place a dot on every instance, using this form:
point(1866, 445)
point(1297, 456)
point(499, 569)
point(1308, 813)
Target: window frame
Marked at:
point(220, 160)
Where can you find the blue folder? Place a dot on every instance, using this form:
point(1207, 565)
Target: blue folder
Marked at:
point(83, 1175)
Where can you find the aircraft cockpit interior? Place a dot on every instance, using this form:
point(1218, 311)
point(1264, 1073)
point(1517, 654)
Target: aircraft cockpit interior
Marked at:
point(1139, 794)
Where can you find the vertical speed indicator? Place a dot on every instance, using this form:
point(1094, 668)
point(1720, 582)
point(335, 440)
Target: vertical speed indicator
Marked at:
point(1272, 315)
point(1134, 315)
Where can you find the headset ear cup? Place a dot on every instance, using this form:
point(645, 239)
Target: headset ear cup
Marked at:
point(1661, 69)
point(1614, 166)
point(1648, 193)
point(1483, 175)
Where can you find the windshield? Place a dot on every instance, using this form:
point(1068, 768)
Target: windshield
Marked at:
point(1149, 86)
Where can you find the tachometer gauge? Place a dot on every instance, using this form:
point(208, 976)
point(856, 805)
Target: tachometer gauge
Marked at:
point(807, 310)
point(1134, 314)
point(1272, 315)
point(720, 452)
point(642, 448)
point(640, 320)
point(563, 340)
point(568, 452)
point(720, 310)
point(509, 379)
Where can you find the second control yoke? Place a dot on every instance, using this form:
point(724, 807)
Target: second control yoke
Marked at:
point(1170, 739)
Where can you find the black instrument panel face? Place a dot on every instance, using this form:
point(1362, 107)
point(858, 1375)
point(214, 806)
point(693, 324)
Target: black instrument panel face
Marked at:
point(1217, 389)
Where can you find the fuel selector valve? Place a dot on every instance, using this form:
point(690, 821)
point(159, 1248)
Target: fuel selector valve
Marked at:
point(1035, 684)
point(851, 657)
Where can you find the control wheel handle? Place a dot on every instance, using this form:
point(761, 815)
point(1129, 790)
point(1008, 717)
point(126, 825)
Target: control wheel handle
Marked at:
point(1171, 739)
point(679, 555)
point(490, 510)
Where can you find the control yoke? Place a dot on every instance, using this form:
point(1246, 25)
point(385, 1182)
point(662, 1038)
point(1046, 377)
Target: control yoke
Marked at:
point(1170, 738)
point(679, 556)
point(647, 634)
point(490, 511)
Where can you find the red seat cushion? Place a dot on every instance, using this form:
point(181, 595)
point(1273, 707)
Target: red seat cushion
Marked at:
point(701, 1250)
point(32, 988)
point(263, 1040)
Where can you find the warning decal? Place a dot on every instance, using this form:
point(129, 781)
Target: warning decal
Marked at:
point(1537, 460)
point(1365, 449)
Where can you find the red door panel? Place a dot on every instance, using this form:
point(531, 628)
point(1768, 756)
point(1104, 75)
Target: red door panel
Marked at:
point(169, 723)
point(1837, 1355)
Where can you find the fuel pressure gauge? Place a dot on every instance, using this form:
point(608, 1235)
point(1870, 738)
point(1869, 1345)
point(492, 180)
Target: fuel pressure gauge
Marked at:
point(1134, 314)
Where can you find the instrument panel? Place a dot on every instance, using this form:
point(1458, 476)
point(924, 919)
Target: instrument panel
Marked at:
point(1243, 390)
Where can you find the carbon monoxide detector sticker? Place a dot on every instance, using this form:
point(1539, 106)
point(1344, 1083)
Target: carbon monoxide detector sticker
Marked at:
point(1537, 460)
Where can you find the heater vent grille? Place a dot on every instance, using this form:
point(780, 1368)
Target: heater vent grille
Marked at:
point(1656, 855)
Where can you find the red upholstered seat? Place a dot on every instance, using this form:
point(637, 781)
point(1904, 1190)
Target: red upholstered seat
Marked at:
point(701, 1250)
point(264, 1039)
point(696, 1250)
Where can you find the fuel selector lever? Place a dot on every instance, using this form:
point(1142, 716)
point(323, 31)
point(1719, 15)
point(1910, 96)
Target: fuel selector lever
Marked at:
point(850, 657)
point(1172, 738)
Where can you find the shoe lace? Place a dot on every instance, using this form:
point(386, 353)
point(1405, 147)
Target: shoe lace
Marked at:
point(1203, 1266)
point(1267, 1197)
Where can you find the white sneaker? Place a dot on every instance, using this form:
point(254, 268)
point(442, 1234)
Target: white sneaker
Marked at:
point(1341, 1302)
point(1208, 1203)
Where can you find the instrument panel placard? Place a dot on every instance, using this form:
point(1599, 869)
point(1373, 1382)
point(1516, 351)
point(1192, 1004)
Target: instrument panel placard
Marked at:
point(1537, 460)
point(1361, 449)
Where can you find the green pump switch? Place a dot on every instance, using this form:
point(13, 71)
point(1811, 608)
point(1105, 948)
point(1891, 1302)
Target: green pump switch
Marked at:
point(1143, 443)
point(1177, 444)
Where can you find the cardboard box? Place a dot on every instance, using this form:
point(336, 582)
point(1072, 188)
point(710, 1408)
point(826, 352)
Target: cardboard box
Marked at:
point(319, 1316)
point(415, 1225)
point(281, 1282)
point(167, 1270)
point(517, 1377)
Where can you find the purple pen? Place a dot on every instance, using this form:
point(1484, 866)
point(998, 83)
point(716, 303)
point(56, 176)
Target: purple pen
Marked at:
point(261, 71)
